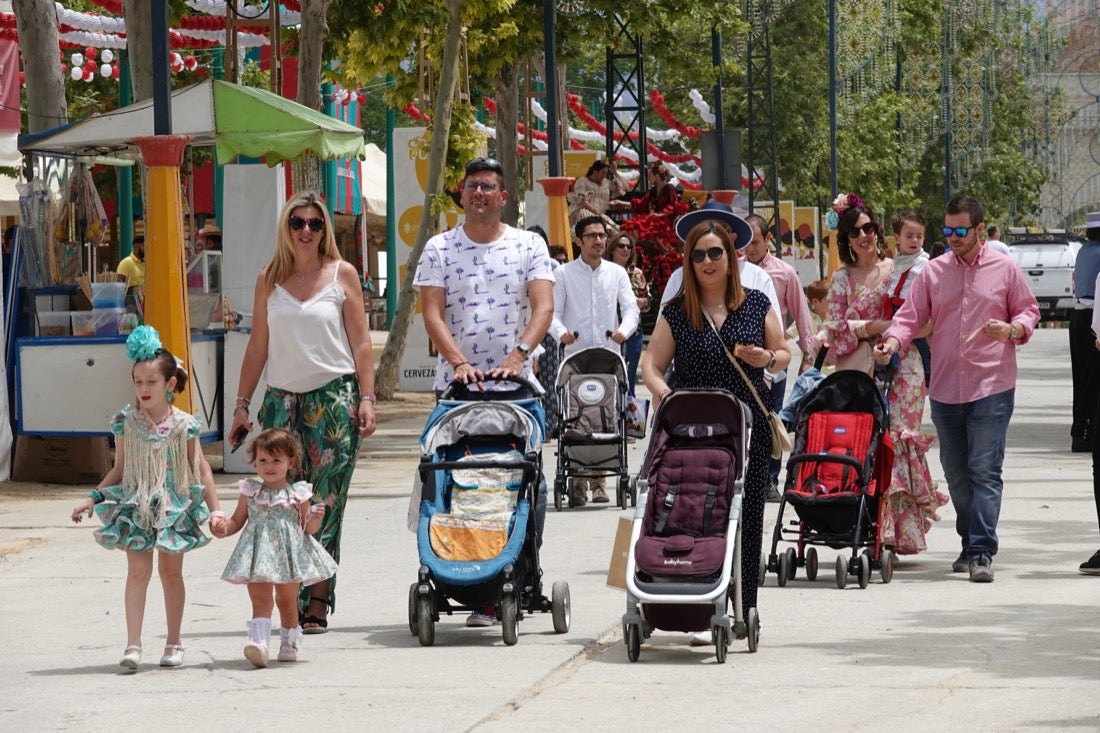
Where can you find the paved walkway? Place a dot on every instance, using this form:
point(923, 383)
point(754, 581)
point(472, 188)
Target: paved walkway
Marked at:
point(928, 652)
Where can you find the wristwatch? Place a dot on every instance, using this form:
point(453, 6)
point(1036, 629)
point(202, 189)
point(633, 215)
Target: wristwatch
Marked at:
point(1012, 332)
point(771, 362)
point(524, 349)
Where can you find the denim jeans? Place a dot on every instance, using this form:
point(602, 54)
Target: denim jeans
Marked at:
point(633, 348)
point(972, 451)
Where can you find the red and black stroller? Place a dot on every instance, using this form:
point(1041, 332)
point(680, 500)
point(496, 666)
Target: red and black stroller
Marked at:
point(838, 470)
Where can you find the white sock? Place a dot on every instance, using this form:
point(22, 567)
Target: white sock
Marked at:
point(292, 637)
point(259, 631)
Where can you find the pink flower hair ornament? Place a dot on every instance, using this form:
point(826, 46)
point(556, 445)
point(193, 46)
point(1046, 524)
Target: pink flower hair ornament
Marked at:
point(841, 203)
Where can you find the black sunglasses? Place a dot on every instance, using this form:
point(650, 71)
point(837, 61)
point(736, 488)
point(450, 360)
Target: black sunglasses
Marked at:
point(316, 224)
point(484, 164)
point(867, 228)
point(713, 254)
point(957, 231)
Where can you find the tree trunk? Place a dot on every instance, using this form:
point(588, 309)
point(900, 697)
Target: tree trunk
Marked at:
point(507, 99)
point(139, 47)
point(36, 23)
point(311, 51)
point(385, 380)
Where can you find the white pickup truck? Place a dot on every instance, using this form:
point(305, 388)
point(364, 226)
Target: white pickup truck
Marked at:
point(1047, 259)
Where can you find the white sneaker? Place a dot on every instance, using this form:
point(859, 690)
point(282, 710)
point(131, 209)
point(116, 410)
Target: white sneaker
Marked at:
point(480, 620)
point(256, 653)
point(173, 655)
point(701, 638)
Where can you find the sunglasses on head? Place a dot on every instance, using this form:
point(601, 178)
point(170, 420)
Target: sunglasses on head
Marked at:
point(956, 231)
point(713, 254)
point(315, 224)
point(867, 228)
point(484, 164)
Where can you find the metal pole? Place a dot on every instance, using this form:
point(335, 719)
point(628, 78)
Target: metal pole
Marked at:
point(553, 144)
point(391, 215)
point(125, 172)
point(162, 84)
point(947, 104)
point(719, 123)
point(832, 97)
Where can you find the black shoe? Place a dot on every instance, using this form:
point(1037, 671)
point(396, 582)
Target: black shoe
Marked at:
point(981, 569)
point(1081, 445)
point(1092, 565)
point(961, 564)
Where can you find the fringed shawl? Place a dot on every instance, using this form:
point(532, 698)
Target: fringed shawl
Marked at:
point(149, 458)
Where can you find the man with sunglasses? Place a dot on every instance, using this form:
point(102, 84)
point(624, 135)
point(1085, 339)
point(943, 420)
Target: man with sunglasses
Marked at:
point(487, 295)
point(594, 306)
point(981, 308)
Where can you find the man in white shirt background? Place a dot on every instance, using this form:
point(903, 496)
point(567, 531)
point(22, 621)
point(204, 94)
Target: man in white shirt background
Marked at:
point(594, 306)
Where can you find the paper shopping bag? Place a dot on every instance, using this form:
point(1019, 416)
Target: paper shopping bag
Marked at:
point(616, 572)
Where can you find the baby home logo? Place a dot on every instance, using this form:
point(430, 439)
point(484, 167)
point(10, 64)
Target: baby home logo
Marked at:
point(677, 561)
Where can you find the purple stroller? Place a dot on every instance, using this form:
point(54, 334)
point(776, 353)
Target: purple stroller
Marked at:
point(684, 561)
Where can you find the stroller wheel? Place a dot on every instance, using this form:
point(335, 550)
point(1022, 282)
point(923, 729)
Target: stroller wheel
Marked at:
point(632, 494)
point(559, 493)
point(792, 563)
point(623, 492)
point(841, 572)
point(412, 609)
point(508, 618)
point(425, 625)
point(633, 642)
point(561, 608)
point(864, 570)
point(752, 624)
point(886, 566)
point(784, 572)
point(811, 564)
point(721, 643)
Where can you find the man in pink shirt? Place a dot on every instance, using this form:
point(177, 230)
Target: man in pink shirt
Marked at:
point(792, 306)
point(981, 308)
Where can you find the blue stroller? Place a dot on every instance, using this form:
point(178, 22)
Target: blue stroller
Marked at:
point(480, 467)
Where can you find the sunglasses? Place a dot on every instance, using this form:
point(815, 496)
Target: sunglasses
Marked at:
point(956, 231)
point(867, 228)
point(713, 254)
point(297, 223)
point(471, 186)
point(594, 236)
point(484, 164)
point(624, 245)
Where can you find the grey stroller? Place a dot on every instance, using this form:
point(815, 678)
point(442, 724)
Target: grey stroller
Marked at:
point(592, 394)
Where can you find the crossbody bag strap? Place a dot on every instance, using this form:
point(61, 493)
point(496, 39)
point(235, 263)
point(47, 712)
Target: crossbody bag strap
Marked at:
point(901, 282)
point(733, 360)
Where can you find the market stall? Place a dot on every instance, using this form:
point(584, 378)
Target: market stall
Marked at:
point(234, 120)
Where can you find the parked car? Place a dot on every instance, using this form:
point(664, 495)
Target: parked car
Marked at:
point(1047, 259)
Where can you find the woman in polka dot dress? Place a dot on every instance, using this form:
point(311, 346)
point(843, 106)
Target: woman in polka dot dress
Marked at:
point(750, 328)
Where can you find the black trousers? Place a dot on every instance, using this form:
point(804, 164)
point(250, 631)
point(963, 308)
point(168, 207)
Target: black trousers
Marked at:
point(1085, 366)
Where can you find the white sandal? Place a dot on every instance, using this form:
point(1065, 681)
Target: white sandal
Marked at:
point(131, 657)
point(173, 655)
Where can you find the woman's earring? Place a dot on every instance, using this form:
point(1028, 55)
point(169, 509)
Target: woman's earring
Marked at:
point(168, 394)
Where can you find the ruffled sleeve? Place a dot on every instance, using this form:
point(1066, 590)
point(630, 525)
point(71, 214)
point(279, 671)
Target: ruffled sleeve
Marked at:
point(118, 421)
point(836, 324)
point(291, 495)
point(194, 426)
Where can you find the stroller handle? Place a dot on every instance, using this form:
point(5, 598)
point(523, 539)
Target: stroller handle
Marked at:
point(460, 392)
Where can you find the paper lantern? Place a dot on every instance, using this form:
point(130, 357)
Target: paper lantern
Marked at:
point(107, 56)
point(105, 70)
point(22, 79)
point(88, 76)
point(190, 63)
point(90, 65)
point(77, 73)
point(114, 71)
point(90, 52)
point(77, 59)
point(64, 69)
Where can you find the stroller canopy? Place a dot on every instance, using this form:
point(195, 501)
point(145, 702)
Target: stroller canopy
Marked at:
point(482, 420)
point(593, 360)
point(693, 412)
point(847, 390)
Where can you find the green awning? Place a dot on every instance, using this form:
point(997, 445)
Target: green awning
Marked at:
point(237, 120)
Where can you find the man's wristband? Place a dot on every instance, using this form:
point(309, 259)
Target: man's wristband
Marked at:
point(368, 398)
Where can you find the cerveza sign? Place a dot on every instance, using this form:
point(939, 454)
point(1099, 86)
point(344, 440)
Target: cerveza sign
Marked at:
point(419, 373)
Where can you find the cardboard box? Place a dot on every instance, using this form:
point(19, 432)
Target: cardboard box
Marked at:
point(62, 459)
point(616, 572)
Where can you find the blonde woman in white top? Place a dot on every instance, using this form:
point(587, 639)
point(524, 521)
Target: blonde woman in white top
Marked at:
point(309, 331)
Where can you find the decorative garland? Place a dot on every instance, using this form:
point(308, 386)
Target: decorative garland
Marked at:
point(658, 102)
